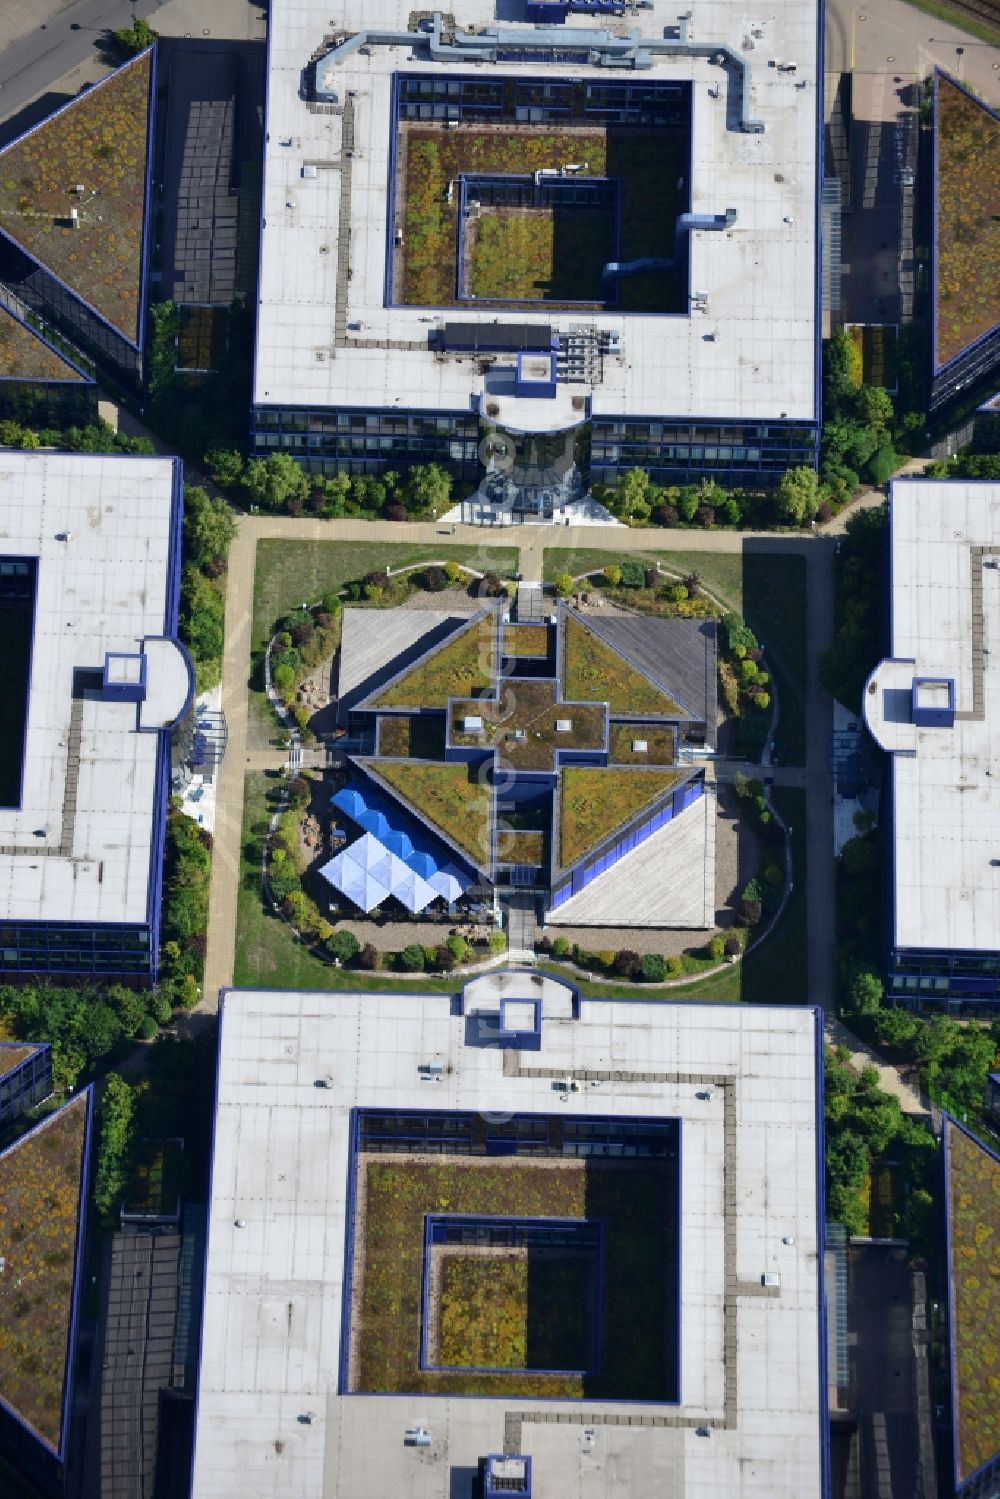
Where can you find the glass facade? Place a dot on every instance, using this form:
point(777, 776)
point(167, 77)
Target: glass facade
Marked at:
point(29, 948)
point(975, 363)
point(369, 442)
point(682, 451)
point(963, 983)
point(26, 1085)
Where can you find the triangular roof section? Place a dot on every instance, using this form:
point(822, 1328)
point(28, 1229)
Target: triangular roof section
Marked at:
point(594, 802)
point(441, 794)
point(26, 355)
point(14, 1053)
point(43, 1180)
point(966, 219)
point(99, 142)
point(461, 665)
point(972, 1197)
point(591, 670)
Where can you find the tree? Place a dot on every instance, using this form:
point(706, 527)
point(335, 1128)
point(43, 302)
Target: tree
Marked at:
point(131, 40)
point(654, 967)
point(564, 585)
point(627, 963)
point(343, 945)
point(202, 623)
point(613, 575)
point(631, 498)
point(874, 408)
point(273, 481)
point(412, 957)
point(209, 527)
point(798, 495)
point(894, 1027)
point(866, 992)
point(115, 1142)
point(427, 489)
point(225, 466)
point(883, 463)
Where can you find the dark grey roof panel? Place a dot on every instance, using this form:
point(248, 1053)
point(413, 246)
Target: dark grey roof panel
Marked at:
point(678, 654)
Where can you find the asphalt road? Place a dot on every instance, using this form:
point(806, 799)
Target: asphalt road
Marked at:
point(30, 66)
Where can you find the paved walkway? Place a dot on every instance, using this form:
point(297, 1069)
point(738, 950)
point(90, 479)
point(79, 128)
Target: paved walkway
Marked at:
point(531, 541)
point(911, 1100)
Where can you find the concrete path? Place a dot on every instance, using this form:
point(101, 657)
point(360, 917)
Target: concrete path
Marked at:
point(911, 1100)
point(532, 541)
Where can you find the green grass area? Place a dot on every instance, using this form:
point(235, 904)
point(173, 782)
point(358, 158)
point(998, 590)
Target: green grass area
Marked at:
point(955, 15)
point(465, 664)
point(526, 641)
point(420, 735)
point(766, 586)
point(290, 573)
point(593, 671)
point(968, 220)
point(39, 1213)
point(594, 803)
point(523, 1312)
point(974, 1221)
point(647, 162)
point(637, 1288)
point(778, 971)
point(15, 662)
point(538, 254)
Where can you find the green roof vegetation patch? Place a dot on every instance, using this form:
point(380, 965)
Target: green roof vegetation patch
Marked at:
point(594, 803)
point(974, 1230)
point(594, 672)
point(447, 795)
point(13, 1056)
point(528, 724)
point(26, 356)
point(526, 640)
point(968, 219)
point(461, 666)
point(40, 1178)
point(98, 143)
point(625, 739)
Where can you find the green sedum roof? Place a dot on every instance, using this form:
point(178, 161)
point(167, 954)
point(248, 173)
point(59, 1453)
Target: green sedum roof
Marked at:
point(973, 1196)
point(99, 142)
point(40, 1180)
point(593, 671)
point(461, 666)
point(594, 803)
point(25, 356)
point(968, 219)
point(448, 795)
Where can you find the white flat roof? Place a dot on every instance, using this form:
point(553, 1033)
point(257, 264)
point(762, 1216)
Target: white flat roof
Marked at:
point(742, 1080)
point(750, 356)
point(945, 624)
point(101, 530)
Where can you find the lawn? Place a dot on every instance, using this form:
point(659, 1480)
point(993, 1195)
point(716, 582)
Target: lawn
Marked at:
point(637, 1284)
point(465, 664)
point(647, 163)
point(448, 796)
point(289, 573)
point(593, 672)
point(99, 141)
point(767, 587)
point(25, 357)
point(522, 1312)
point(968, 220)
point(973, 1189)
point(594, 803)
point(957, 15)
point(40, 1178)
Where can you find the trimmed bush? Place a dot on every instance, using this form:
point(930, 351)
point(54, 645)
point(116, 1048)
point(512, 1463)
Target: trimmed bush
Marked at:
point(654, 968)
point(675, 966)
point(343, 945)
point(716, 949)
point(560, 947)
point(368, 957)
point(733, 946)
point(628, 963)
point(148, 1028)
point(412, 957)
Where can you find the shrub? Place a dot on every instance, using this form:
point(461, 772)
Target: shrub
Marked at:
point(395, 511)
point(331, 604)
point(560, 947)
point(497, 942)
point(148, 1028)
point(716, 949)
point(299, 792)
point(430, 957)
point(613, 575)
point(733, 946)
point(675, 966)
point(444, 959)
point(705, 515)
point(452, 572)
point(490, 585)
point(564, 585)
point(665, 515)
point(652, 578)
point(750, 911)
point(628, 963)
point(458, 947)
point(676, 593)
point(633, 573)
point(368, 957)
point(605, 958)
point(435, 579)
point(654, 968)
point(774, 876)
point(343, 945)
point(412, 957)
point(161, 1007)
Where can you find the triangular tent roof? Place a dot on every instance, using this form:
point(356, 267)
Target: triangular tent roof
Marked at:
point(100, 142)
point(26, 355)
point(42, 1188)
point(967, 219)
point(972, 1190)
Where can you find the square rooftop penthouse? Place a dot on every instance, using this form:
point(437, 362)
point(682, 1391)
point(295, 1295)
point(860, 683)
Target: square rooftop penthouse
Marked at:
point(95, 680)
point(335, 324)
point(932, 705)
point(304, 1076)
